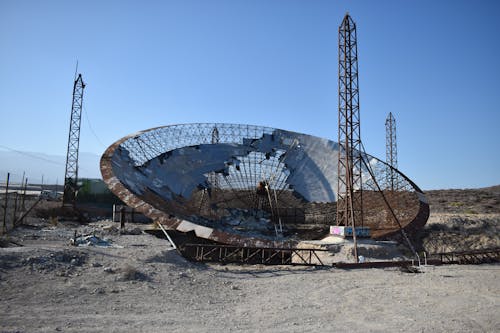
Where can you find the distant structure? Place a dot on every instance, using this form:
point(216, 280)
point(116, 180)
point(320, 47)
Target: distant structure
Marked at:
point(349, 189)
point(71, 173)
point(391, 153)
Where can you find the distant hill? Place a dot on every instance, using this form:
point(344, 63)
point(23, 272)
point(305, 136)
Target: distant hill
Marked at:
point(52, 167)
point(492, 189)
point(465, 201)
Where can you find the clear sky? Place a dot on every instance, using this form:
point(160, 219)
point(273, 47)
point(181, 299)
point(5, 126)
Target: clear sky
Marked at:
point(434, 64)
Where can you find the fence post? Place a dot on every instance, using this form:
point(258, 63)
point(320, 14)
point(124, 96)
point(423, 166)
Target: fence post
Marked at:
point(122, 217)
point(23, 207)
point(6, 202)
point(15, 210)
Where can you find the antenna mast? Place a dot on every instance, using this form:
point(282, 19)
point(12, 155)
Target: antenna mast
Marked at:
point(391, 154)
point(349, 186)
point(71, 173)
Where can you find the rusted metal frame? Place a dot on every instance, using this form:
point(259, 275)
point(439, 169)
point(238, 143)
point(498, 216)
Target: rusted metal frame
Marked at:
point(284, 185)
point(197, 254)
point(296, 252)
point(245, 254)
point(205, 254)
point(273, 218)
point(230, 253)
point(316, 255)
point(235, 192)
point(71, 169)
point(308, 261)
point(276, 165)
point(470, 257)
point(349, 203)
point(388, 206)
point(272, 253)
point(288, 259)
point(250, 255)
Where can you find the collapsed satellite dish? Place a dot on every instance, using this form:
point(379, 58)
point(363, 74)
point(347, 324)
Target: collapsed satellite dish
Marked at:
point(249, 185)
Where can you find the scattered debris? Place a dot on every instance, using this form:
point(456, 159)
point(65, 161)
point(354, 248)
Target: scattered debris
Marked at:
point(90, 240)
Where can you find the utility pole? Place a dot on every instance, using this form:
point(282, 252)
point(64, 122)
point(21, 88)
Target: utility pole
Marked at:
point(349, 186)
point(391, 154)
point(71, 174)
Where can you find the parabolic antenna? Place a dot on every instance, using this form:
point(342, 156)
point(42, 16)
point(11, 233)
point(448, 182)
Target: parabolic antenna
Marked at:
point(249, 185)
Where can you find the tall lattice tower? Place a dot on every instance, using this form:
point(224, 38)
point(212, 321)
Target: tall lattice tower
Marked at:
point(71, 174)
point(349, 188)
point(214, 177)
point(391, 153)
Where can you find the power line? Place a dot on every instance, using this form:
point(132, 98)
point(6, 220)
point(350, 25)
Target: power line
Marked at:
point(36, 157)
point(87, 118)
point(31, 155)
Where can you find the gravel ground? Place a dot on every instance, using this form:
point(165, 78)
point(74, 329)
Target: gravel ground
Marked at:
point(139, 284)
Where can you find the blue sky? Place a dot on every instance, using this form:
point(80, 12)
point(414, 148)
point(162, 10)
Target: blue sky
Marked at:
point(433, 64)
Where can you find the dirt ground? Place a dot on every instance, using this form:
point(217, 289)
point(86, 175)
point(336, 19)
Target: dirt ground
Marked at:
point(139, 284)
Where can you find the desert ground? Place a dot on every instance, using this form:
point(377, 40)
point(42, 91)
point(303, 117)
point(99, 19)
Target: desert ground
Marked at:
point(136, 282)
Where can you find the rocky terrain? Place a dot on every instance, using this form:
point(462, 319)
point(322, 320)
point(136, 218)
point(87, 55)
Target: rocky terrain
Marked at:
point(462, 220)
point(134, 282)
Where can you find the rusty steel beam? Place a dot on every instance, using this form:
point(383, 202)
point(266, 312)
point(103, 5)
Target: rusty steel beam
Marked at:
point(252, 255)
point(469, 257)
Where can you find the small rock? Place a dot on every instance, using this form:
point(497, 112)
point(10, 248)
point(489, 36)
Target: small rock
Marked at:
point(99, 290)
point(96, 264)
point(109, 270)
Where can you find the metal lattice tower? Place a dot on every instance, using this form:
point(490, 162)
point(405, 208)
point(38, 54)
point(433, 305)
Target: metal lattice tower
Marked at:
point(71, 173)
point(349, 189)
point(215, 135)
point(391, 154)
point(215, 140)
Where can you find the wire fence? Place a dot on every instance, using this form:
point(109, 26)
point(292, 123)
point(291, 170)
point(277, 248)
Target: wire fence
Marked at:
point(17, 199)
